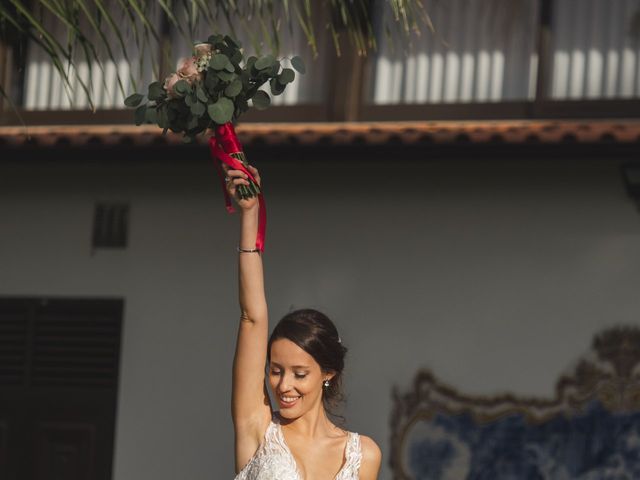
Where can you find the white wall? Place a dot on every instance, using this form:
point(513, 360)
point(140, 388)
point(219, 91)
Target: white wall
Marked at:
point(495, 275)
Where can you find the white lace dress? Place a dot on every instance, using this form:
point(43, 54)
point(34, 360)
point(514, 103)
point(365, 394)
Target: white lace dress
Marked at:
point(274, 461)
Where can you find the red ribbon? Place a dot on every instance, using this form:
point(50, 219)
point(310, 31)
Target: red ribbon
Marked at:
point(221, 156)
point(226, 135)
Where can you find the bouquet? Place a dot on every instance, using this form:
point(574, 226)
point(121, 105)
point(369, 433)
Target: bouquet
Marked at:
point(209, 92)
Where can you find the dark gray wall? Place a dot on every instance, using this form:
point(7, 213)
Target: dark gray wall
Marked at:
point(494, 274)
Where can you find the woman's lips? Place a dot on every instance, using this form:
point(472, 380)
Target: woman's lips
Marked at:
point(287, 401)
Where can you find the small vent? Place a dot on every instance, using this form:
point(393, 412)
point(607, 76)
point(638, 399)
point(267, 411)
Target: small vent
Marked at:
point(13, 343)
point(110, 225)
point(72, 349)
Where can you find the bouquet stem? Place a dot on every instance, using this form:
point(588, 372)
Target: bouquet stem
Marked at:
point(246, 191)
point(226, 136)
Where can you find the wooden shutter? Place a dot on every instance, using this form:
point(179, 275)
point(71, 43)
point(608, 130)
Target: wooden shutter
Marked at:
point(58, 387)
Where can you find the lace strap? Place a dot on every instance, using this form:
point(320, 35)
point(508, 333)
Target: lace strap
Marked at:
point(353, 458)
point(274, 440)
point(276, 445)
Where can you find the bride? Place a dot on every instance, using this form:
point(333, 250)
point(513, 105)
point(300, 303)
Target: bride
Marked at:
point(305, 361)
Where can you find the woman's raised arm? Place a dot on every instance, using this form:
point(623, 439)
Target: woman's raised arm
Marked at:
point(251, 410)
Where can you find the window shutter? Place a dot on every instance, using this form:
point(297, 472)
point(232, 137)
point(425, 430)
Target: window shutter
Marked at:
point(13, 346)
point(60, 343)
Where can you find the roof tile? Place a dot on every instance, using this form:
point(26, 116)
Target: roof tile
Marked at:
point(378, 133)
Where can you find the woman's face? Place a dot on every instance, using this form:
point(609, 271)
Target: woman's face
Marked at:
point(295, 378)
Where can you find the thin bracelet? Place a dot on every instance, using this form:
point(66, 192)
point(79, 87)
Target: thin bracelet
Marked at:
point(247, 250)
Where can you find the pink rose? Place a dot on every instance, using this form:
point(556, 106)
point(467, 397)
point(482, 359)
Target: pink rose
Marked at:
point(188, 70)
point(203, 49)
point(170, 83)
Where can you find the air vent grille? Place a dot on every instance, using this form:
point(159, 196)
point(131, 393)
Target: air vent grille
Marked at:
point(110, 225)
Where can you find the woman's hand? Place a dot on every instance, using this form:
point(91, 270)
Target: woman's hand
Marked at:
point(238, 177)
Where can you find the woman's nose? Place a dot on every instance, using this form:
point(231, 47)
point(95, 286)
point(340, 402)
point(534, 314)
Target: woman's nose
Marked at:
point(285, 383)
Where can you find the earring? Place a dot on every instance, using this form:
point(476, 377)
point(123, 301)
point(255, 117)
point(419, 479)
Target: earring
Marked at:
point(326, 383)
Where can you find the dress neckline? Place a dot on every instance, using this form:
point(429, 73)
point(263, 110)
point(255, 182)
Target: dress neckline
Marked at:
point(293, 459)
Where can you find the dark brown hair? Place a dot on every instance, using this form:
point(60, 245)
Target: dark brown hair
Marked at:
point(313, 332)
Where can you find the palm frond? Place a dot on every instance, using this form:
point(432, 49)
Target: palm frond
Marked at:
point(92, 23)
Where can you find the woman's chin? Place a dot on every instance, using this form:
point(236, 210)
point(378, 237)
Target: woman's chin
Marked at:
point(288, 413)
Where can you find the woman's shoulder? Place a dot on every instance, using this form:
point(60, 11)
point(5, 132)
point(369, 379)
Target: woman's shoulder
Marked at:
point(371, 458)
point(370, 449)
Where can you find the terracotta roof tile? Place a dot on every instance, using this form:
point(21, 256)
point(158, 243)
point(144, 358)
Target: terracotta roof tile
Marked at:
point(378, 133)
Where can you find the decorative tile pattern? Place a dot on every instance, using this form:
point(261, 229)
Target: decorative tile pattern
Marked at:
point(590, 431)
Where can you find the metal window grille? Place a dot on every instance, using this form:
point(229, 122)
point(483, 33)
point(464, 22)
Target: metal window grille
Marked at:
point(110, 225)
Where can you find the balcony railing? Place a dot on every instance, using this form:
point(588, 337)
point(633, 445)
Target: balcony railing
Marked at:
point(486, 59)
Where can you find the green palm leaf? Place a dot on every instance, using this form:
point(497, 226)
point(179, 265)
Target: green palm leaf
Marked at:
point(95, 19)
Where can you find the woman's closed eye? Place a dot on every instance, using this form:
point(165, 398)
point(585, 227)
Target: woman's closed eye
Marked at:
point(297, 375)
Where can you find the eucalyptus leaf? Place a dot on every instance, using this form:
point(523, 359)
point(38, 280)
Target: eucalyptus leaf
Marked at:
point(225, 76)
point(218, 61)
point(151, 115)
point(261, 100)
point(298, 64)
point(273, 71)
point(156, 91)
point(229, 67)
point(140, 114)
point(250, 62)
point(133, 100)
point(198, 109)
point(221, 112)
point(226, 49)
point(182, 87)
point(236, 58)
point(211, 80)
point(232, 41)
point(244, 76)
point(213, 39)
point(201, 94)
point(286, 76)
point(190, 100)
point(265, 62)
point(276, 87)
point(234, 88)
